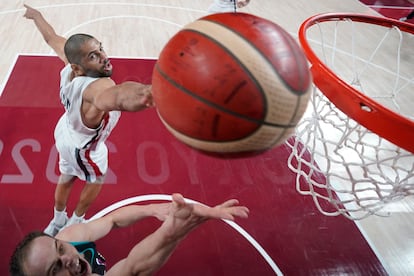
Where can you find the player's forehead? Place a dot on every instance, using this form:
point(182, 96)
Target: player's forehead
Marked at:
point(90, 45)
point(40, 255)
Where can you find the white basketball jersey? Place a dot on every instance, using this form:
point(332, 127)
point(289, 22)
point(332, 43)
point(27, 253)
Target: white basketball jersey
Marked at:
point(71, 92)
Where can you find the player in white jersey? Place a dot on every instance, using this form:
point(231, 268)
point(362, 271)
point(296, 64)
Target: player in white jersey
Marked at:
point(219, 6)
point(92, 104)
point(71, 133)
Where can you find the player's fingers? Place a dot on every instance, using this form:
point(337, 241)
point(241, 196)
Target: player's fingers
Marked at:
point(229, 203)
point(178, 199)
point(242, 212)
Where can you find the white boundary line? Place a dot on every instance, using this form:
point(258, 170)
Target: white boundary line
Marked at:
point(121, 17)
point(7, 76)
point(234, 225)
point(40, 7)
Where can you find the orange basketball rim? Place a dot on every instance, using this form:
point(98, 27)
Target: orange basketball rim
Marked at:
point(368, 112)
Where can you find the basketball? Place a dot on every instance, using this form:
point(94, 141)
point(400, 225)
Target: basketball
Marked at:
point(231, 83)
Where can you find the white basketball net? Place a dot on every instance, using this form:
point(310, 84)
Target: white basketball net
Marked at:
point(346, 168)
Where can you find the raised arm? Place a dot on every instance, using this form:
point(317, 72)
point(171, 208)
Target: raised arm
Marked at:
point(103, 95)
point(127, 96)
point(151, 253)
point(122, 217)
point(55, 41)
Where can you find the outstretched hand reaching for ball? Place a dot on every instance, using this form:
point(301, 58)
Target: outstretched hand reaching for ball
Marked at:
point(152, 252)
point(30, 12)
point(184, 216)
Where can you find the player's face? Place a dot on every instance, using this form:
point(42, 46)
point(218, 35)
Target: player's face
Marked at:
point(95, 62)
point(52, 257)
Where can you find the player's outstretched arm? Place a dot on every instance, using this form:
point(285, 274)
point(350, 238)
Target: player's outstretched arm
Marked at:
point(122, 217)
point(127, 96)
point(56, 42)
point(152, 252)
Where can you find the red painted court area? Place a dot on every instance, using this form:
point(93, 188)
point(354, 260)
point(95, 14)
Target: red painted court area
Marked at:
point(392, 8)
point(146, 160)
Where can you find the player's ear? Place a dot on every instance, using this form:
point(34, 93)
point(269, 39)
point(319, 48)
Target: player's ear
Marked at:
point(77, 69)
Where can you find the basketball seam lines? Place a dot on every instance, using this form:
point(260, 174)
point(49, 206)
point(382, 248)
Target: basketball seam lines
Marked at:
point(218, 107)
point(294, 91)
point(298, 93)
point(252, 77)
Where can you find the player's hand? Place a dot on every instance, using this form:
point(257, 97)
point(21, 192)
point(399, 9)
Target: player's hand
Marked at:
point(147, 99)
point(197, 212)
point(242, 3)
point(229, 209)
point(30, 13)
point(184, 217)
point(161, 210)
